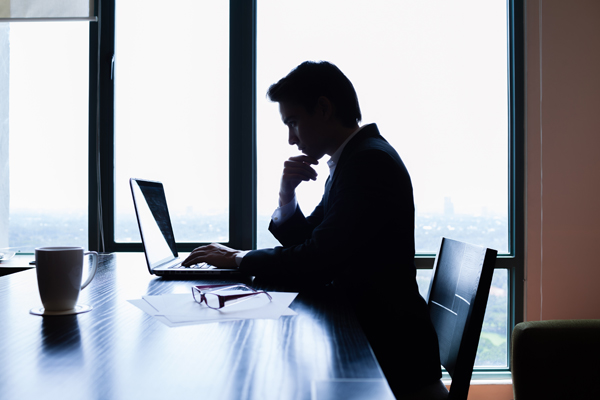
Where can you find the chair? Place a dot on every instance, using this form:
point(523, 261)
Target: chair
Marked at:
point(458, 294)
point(557, 359)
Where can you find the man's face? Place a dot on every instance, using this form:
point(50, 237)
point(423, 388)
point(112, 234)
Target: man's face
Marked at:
point(305, 130)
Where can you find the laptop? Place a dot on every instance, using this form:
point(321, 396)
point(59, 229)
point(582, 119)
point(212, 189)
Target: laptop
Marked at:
point(157, 235)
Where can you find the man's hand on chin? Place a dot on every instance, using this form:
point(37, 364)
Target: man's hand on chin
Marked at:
point(215, 254)
point(295, 170)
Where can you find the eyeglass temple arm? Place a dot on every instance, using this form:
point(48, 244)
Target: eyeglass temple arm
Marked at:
point(201, 287)
point(225, 299)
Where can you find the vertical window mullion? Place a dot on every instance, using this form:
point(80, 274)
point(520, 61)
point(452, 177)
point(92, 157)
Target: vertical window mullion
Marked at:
point(101, 162)
point(242, 123)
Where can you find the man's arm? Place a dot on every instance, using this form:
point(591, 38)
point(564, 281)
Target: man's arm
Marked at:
point(297, 228)
point(295, 170)
point(370, 215)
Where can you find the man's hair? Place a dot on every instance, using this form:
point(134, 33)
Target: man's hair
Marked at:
point(311, 80)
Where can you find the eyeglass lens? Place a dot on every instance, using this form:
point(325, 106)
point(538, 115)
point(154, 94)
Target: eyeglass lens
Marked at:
point(212, 300)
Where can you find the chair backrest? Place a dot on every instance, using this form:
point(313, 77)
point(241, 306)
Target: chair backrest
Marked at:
point(458, 294)
point(556, 359)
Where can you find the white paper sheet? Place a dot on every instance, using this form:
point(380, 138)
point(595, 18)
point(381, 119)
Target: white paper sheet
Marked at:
point(181, 309)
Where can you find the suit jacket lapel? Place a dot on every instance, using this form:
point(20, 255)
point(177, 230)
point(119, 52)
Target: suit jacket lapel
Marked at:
point(326, 193)
point(366, 132)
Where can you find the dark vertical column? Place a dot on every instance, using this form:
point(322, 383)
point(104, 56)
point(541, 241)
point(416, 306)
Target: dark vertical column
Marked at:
point(101, 128)
point(242, 124)
point(516, 92)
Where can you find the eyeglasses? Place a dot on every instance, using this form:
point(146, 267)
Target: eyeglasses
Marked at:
point(205, 294)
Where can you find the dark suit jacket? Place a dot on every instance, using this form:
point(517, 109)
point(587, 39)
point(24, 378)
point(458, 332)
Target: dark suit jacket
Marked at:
point(361, 238)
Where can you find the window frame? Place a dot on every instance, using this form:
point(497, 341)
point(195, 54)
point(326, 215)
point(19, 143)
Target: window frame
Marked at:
point(242, 136)
point(242, 131)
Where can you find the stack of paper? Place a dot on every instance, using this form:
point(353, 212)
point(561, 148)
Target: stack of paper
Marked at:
point(181, 309)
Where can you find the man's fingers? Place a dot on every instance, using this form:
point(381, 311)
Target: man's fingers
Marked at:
point(192, 259)
point(299, 168)
point(304, 159)
point(198, 255)
point(295, 170)
point(308, 172)
point(297, 178)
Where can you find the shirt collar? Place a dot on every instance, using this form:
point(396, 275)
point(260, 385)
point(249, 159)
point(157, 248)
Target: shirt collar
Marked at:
point(335, 157)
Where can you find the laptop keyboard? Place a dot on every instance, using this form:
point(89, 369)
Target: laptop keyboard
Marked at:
point(195, 266)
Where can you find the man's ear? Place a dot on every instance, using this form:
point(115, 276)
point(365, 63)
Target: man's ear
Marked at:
point(325, 107)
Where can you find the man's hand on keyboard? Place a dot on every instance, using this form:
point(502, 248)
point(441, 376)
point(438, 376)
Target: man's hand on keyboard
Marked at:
point(216, 254)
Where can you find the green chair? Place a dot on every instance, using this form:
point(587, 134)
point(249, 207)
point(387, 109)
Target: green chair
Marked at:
point(557, 359)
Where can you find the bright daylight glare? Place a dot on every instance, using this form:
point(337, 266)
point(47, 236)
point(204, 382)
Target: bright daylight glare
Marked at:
point(432, 75)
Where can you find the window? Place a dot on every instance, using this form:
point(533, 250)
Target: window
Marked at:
point(175, 98)
point(456, 119)
point(172, 112)
point(44, 142)
point(437, 92)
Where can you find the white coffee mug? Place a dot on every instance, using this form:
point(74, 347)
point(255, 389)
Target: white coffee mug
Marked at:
point(59, 272)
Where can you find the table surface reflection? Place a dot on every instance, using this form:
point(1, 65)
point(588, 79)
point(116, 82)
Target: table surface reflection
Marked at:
point(116, 351)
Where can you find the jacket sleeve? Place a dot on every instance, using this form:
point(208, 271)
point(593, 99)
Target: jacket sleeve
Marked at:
point(331, 242)
point(297, 228)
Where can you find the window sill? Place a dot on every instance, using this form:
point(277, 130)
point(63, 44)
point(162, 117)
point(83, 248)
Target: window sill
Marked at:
point(484, 378)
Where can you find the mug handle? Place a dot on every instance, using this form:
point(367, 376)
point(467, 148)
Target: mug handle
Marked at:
point(94, 267)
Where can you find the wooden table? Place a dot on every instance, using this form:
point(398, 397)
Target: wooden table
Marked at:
point(116, 351)
point(16, 264)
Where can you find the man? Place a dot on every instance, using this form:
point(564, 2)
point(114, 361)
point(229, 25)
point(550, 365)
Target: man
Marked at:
point(360, 237)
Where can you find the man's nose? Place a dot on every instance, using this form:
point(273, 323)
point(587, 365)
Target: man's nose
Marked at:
point(292, 138)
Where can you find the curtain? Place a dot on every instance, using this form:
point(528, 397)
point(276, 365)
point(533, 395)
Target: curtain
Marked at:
point(24, 10)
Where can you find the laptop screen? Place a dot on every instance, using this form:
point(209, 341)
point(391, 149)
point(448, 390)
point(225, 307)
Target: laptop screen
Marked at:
point(154, 221)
